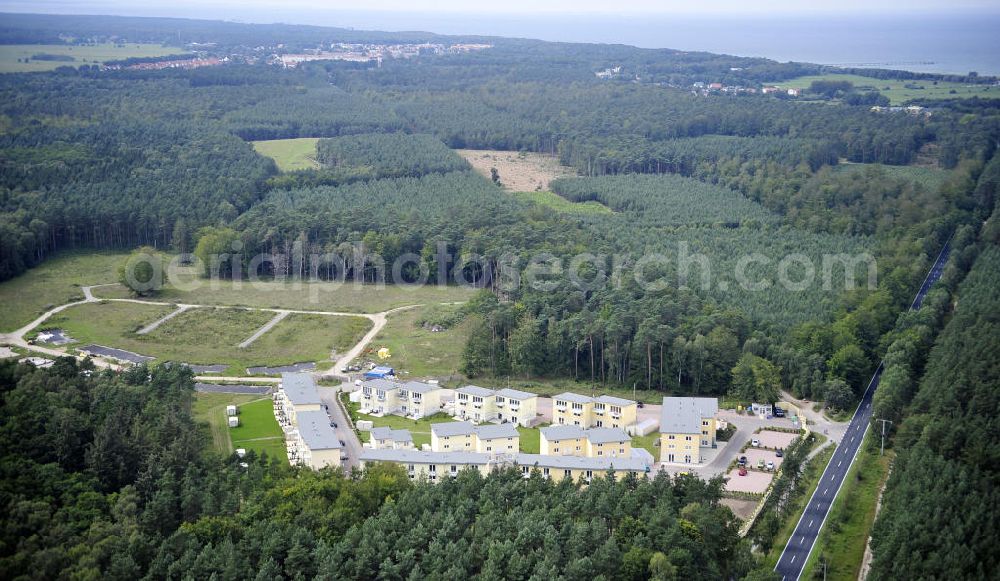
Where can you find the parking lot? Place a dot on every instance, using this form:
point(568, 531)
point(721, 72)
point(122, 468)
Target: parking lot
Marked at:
point(754, 455)
point(774, 440)
point(755, 481)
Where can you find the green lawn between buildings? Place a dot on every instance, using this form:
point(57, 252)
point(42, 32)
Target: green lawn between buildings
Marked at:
point(258, 429)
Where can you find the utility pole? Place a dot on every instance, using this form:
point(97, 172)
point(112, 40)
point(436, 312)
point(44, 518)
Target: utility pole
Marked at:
point(882, 451)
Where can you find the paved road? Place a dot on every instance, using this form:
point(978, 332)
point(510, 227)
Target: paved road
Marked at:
point(344, 432)
point(803, 538)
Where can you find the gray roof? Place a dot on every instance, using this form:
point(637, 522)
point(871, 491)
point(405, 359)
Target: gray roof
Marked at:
point(420, 387)
point(582, 463)
point(573, 397)
point(643, 455)
point(424, 457)
point(490, 431)
point(479, 459)
point(382, 384)
point(683, 415)
point(314, 427)
point(300, 388)
point(384, 433)
point(612, 400)
point(605, 435)
point(562, 432)
point(476, 390)
point(515, 394)
point(453, 429)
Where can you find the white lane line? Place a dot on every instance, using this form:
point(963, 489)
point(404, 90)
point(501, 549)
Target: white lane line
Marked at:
point(793, 559)
point(811, 523)
point(839, 463)
point(827, 490)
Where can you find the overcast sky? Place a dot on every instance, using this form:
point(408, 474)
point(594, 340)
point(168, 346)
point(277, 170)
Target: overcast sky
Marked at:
point(215, 8)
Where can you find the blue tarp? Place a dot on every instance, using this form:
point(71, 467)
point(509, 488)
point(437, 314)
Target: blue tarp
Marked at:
point(379, 373)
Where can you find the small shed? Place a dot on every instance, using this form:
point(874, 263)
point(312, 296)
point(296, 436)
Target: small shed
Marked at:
point(230, 410)
point(241, 452)
point(234, 421)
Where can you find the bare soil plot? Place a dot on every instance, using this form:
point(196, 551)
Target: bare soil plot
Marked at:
point(519, 171)
point(754, 482)
point(741, 508)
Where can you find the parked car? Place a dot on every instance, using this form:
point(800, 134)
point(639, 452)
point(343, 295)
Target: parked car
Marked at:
point(760, 464)
point(743, 472)
point(779, 453)
point(333, 424)
point(640, 405)
point(770, 466)
point(778, 412)
point(755, 442)
point(742, 461)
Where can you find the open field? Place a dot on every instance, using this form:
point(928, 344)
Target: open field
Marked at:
point(290, 154)
point(560, 204)
point(900, 91)
point(519, 171)
point(531, 439)
point(306, 296)
point(210, 336)
point(13, 56)
point(210, 408)
point(258, 430)
point(309, 337)
point(418, 352)
point(55, 282)
point(648, 443)
point(841, 543)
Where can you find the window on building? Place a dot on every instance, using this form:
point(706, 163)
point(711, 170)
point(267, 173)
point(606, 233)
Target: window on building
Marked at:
point(568, 473)
point(687, 458)
point(688, 438)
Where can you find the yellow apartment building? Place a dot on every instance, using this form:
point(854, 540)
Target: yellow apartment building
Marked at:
point(573, 409)
point(593, 443)
point(467, 437)
point(475, 404)
point(687, 424)
point(517, 407)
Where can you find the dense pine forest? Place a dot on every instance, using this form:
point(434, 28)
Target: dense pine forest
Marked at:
point(107, 475)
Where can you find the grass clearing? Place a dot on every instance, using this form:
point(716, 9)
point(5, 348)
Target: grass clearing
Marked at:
point(307, 296)
point(531, 439)
point(209, 335)
point(560, 204)
point(210, 408)
point(309, 337)
point(55, 282)
point(258, 430)
point(19, 58)
point(290, 154)
point(841, 543)
point(926, 176)
point(900, 91)
point(419, 352)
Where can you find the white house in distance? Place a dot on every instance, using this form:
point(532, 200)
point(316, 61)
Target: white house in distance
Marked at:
point(296, 393)
point(316, 444)
point(517, 407)
point(418, 399)
point(475, 404)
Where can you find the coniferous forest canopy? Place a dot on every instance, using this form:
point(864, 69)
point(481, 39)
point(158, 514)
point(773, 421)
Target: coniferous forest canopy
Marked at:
point(107, 475)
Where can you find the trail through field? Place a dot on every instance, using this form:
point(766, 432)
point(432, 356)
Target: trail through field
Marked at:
point(152, 326)
point(267, 327)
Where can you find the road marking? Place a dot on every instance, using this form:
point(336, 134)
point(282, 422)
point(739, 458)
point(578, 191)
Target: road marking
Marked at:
point(827, 490)
point(839, 462)
point(811, 523)
point(793, 558)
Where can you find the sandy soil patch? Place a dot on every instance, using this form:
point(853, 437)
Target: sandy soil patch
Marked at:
point(519, 172)
point(740, 507)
